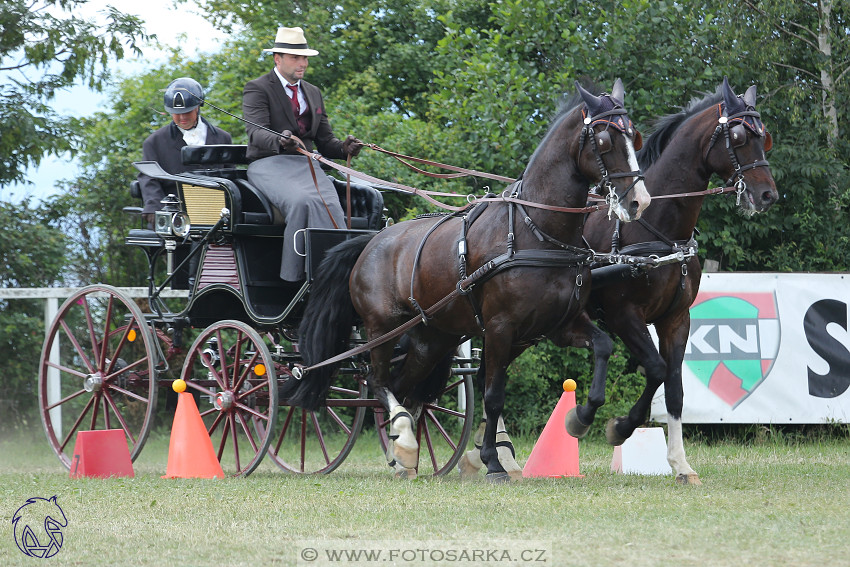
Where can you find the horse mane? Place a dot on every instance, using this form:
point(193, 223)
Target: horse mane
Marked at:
point(667, 125)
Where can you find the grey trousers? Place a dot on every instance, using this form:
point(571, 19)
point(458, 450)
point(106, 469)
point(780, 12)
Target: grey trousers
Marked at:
point(288, 184)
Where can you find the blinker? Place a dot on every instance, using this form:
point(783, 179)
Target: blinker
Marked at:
point(603, 141)
point(738, 135)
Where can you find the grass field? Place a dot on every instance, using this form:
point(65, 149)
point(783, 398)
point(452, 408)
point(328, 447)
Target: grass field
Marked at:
point(772, 502)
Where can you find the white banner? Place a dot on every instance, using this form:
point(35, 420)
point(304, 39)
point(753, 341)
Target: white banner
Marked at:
point(767, 348)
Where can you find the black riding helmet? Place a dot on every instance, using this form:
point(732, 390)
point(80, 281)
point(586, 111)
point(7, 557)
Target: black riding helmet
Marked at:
point(183, 95)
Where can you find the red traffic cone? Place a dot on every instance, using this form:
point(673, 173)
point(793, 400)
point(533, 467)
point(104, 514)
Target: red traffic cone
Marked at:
point(190, 453)
point(556, 452)
point(101, 453)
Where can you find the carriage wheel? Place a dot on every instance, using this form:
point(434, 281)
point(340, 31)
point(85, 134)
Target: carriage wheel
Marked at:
point(319, 441)
point(92, 377)
point(232, 371)
point(443, 428)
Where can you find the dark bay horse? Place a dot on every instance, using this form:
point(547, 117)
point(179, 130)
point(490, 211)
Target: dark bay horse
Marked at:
point(510, 269)
point(720, 133)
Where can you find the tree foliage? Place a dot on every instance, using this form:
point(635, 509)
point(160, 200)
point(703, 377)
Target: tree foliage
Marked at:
point(45, 47)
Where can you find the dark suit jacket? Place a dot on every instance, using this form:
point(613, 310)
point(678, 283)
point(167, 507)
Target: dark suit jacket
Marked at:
point(265, 102)
point(163, 147)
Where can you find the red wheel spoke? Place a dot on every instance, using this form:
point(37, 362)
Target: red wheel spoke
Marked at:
point(252, 411)
point(124, 340)
point(101, 360)
point(451, 387)
point(108, 399)
point(430, 415)
point(338, 421)
point(215, 422)
point(232, 421)
point(223, 442)
point(303, 438)
point(320, 437)
point(250, 437)
point(62, 368)
point(455, 413)
point(430, 445)
point(127, 368)
point(95, 407)
point(256, 388)
point(63, 400)
point(212, 370)
point(90, 327)
point(222, 356)
point(249, 367)
point(128, 393)
point(284, 429)
point(77, 346)
point(77, 423)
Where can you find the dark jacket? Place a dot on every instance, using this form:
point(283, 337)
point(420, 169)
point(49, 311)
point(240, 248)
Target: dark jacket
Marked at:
point(163, 147)
point(265, 102)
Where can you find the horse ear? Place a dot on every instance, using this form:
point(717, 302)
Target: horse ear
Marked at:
point(750, 97)
point(592, 101)
point(618, 93)
point(729, 95)
point(638, 141)
point(768, 141)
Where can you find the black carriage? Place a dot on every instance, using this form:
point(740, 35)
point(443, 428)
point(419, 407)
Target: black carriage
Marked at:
point(220, 241)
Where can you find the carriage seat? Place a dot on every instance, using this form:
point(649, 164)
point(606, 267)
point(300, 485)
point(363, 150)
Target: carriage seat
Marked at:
point(367, 203)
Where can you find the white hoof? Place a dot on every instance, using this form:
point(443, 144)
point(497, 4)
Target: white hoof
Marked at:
point(404, 447)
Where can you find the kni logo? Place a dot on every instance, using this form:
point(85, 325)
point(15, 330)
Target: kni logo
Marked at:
point(38, 527)
point(733, 342)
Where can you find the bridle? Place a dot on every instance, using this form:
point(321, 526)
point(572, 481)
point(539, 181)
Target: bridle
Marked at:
point(735, 137)
point(600, 143)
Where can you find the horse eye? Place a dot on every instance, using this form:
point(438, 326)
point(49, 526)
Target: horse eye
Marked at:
point(603, 142)
point(738, 135)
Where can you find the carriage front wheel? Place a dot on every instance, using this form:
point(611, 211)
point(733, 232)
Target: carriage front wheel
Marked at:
point(232, 374)
point(97, 370)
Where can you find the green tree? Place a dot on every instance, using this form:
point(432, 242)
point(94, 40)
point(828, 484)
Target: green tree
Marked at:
point(32, 255)
point(44, 47)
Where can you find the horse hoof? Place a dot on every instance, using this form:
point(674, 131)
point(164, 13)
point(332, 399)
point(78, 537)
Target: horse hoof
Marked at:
point(516, 476)
point(611, 434)
point(574, 425)
point(466, 468)
point(408, 458)
point(691, 479)
point(406, 474)
point(498, 477)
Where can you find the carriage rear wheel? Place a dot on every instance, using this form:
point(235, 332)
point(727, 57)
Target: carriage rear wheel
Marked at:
point(443, 428)
point(319, 441)
point(97, 370)
point(231, 372)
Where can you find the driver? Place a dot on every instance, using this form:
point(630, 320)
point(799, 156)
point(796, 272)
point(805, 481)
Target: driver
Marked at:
point(183, 100)
point(283, 102)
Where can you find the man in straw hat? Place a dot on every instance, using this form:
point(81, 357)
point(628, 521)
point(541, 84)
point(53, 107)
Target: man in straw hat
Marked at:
point(283, 102)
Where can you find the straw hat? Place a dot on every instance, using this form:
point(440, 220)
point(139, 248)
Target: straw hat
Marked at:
point(291, 40)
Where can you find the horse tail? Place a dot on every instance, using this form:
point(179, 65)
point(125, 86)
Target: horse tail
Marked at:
point(325, 328)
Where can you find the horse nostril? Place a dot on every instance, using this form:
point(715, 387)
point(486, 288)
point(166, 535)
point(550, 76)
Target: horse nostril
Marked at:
point(767, 197)
point(634, 207)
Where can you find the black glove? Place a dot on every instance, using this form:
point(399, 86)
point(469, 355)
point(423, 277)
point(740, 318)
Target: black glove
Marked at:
point(288, 142)
point(352, 145)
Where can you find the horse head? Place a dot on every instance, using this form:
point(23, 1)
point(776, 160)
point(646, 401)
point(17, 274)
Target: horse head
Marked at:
point(606, 152)
point(737, 149)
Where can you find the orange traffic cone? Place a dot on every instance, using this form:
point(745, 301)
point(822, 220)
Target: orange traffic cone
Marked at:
point(101, 453)
point(191, 453)
point(556, 452)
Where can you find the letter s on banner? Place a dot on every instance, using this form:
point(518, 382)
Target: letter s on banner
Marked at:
point(836, 381)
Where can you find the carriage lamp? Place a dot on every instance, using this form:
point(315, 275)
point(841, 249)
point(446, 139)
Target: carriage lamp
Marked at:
point(170, 221)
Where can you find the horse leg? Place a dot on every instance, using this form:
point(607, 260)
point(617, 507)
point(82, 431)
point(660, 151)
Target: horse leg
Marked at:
point(673, 350)
point(470, 463)
point(583, 333)
point(498, 357)
point(632, 330)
